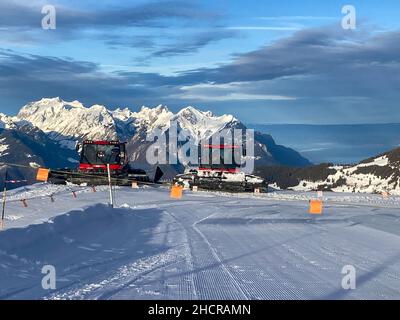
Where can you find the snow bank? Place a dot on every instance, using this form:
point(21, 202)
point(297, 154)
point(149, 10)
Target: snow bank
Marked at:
point(75, 243)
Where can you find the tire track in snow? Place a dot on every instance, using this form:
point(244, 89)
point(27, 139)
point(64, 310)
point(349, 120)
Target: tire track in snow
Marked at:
point(204, 265)
point(216, 256)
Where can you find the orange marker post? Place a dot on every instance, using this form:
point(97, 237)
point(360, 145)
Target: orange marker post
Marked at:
point(316, 206)
point(176, 192)
point(42, 174)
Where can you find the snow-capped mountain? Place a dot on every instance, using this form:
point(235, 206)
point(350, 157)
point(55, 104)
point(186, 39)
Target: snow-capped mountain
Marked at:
point(374, 175)
point(67, 122)
point(61, 124)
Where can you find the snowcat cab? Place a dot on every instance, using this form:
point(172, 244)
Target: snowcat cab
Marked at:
point(220, 169)
point(220, 158)
point(95, 155)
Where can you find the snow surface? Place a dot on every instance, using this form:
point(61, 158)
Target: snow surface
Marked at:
point(204, 246)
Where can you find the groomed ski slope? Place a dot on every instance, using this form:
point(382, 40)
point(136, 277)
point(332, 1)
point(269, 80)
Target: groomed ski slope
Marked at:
point(204, 246)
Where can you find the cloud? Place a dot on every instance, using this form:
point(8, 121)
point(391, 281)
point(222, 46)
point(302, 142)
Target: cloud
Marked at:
point(26, 14)
point(294, 18)
point(264, 28)
point(25, 78)
point(124, 25)
point(320, 73)
point(225, 92)
point(119, 25)
point(230, 97)
point(193, 42)
point(348, 61)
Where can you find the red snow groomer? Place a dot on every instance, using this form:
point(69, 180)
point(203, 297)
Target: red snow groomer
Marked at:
point(221, 171)
point(95, 157)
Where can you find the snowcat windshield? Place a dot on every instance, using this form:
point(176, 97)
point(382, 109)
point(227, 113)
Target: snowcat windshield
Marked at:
point(101, 154)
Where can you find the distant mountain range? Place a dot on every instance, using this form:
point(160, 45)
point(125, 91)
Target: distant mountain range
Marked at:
point(339, 144)
point(45, 132)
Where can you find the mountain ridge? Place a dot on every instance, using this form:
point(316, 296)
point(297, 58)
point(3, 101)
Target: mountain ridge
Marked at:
point(64, 123)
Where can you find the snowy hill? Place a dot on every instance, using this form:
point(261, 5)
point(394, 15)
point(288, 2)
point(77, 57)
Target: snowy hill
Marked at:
point(374, 175)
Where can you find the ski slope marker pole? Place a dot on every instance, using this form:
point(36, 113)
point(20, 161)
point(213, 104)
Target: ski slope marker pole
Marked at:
point(110, 186)
point(4, 200)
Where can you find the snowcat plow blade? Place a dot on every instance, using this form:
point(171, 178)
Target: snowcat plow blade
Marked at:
point(97, 179)
point(219, 184)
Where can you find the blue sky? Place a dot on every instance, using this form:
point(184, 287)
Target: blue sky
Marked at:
point(263, 61)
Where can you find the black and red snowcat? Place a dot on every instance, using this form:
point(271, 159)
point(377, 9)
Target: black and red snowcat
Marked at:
point(95, 157)
point(221, 172)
